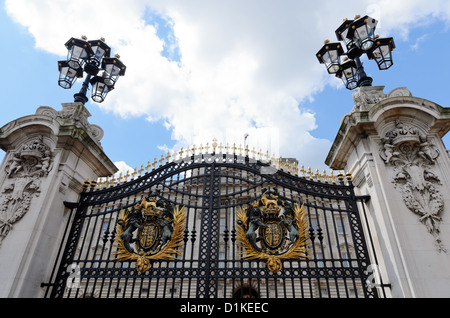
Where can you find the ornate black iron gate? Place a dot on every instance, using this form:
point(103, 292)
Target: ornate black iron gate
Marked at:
point(213, 189)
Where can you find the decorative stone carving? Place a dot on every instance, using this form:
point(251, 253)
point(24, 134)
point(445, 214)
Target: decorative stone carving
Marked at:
point(367, 95)
point(399, 91)
point(73, 114)
point(29, 164)
point(412, 156)
point(16, 200)
point(33, 158)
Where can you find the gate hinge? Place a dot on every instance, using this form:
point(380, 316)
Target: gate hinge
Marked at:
point(70, 205)
point(364, 198)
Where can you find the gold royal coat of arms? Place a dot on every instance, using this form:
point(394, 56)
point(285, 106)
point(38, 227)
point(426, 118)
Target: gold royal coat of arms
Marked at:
point(273, 230)
point(160, 227)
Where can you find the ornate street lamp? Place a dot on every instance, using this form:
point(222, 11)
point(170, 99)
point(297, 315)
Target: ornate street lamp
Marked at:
point(359, 38)
point(92, 57)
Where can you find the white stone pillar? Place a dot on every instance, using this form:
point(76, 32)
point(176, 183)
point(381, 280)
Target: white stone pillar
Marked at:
point(392, 144)
point(48, 157)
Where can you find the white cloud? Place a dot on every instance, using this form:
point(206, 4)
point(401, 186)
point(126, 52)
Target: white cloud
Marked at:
point(245, 65)
point(123, 168)
point(418, 42)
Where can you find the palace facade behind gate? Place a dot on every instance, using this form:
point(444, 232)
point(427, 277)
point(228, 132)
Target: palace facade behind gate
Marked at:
point(222, 221)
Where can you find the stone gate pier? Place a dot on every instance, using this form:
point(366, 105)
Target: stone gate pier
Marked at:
point(392, 144)
point(49, 155)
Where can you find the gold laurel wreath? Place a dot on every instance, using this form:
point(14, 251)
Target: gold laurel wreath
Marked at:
point(143, 260)
point(298, 250)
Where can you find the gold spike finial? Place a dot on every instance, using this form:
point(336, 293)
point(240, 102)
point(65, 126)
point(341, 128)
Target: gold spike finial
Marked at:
point(181, 153)
point(348, 176)
point(141, 170)
point(214, 145)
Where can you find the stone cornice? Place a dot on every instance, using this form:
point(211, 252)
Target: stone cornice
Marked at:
point(68, 128)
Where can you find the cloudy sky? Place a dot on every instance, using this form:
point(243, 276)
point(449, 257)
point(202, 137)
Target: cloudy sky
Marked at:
point(198, 69)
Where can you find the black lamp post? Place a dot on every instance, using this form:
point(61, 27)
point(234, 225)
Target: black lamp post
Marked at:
point(358, 36)
point(92, 57)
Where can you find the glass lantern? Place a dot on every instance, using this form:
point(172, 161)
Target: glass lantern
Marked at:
point(100, 50)
point(78, 52)
point(348, 74)
point(113, 68)
point(67, 74)
point(382, 53)
point(362, 31)
point(329, 55)
point(341, 33)
point(99, 89)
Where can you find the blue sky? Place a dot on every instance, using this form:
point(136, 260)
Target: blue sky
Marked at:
point(199, 70)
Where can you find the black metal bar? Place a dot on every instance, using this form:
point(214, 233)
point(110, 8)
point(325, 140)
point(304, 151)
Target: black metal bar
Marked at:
point(359, 238)
point(205, 238)
point(52, 283)
point(70, 205)
point(363, 79)
point(364, 199)
point(81, 96)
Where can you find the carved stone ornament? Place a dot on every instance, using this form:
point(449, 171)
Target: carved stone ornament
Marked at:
point(367, 96)
point(34, 158)
point(412, 156)
point(29, 164)
point(73, 114)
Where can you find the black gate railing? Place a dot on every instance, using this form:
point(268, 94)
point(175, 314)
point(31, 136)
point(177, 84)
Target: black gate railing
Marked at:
point(212, 189)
